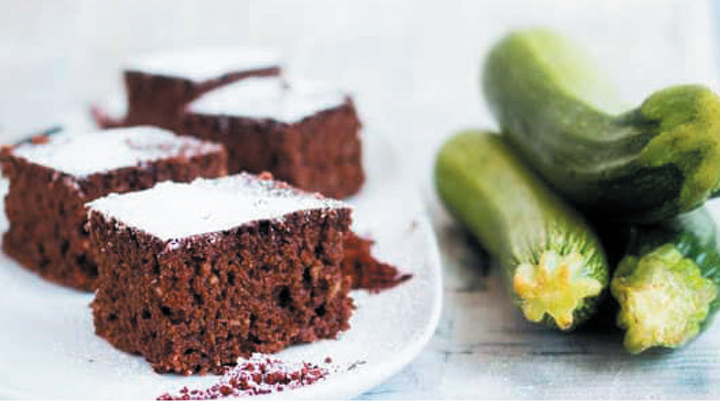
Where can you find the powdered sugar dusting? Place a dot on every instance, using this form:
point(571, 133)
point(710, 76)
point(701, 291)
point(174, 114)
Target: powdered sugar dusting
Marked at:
point(261, 374)
point(269, 97)
point(178, 210)
point(83, 154)
point(204, 64)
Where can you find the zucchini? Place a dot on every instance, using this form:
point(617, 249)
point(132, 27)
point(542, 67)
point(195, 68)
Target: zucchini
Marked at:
point(553, 263)
point(667, 283)
point(642, 164)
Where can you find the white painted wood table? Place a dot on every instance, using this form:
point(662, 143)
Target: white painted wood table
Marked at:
point(483, 348)
point(412, 66)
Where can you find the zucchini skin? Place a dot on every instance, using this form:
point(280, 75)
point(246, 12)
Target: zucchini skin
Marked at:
point(692, 238)
point(642, 165)
point(523, 225)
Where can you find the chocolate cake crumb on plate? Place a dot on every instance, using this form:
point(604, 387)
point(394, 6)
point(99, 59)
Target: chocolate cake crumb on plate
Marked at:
point(365, 271)
point(52, 177)
point(191, 276)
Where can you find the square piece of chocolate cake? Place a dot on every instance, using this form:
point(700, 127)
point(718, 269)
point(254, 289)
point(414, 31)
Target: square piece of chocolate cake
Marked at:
point(52, 177)
point(160, 84)
point(192, 276)
point(306, 134)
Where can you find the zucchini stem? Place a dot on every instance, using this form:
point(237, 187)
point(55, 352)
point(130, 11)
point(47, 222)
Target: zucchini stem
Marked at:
point(685, 128)
point(663, 299)
point(555, 286)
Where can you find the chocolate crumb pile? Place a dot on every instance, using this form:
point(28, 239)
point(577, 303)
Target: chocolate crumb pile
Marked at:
point(260, 374)
point(368, 273)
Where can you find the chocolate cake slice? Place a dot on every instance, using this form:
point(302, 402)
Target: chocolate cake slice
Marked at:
point(303, 133)
point(192, 276)
point(52, 177)
point(160, 84)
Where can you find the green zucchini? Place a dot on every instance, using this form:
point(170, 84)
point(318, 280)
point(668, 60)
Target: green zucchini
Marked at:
point(667, 284)
point(642, 164)
point(552, 261)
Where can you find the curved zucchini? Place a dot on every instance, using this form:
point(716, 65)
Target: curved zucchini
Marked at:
point(552, 262)
point(667, 284)
point(639, 165)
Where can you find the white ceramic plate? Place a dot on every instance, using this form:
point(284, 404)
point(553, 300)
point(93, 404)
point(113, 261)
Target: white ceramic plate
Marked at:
point(48, 348)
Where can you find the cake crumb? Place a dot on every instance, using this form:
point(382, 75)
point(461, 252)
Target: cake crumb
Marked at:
point(366, 271)
point(260, 374)
point(40, 139)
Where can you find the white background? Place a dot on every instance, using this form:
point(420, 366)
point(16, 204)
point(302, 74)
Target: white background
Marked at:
point(412, 66)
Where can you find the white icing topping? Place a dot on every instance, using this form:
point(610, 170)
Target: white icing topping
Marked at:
point(178, 210)
point(200, 65)
point(83, 154)
point(269, 97)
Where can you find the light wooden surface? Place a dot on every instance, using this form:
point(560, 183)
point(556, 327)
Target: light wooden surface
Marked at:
point(412, 66)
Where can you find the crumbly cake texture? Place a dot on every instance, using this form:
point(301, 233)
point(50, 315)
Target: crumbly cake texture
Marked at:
point(261, 374)
point(228, 282)
point(159, 85)
point(52, 177)
point(365, 271)
point(306, 133)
